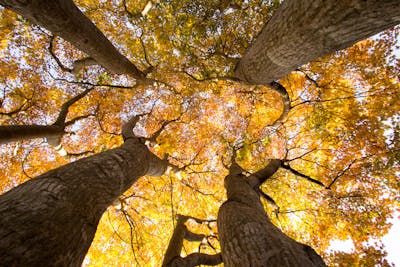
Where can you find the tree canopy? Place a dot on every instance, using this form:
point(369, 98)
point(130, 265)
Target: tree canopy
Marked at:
point(339, 141)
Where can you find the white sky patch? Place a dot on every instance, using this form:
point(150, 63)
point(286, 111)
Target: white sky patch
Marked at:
point(391, 124)
point(392, 241)
point(341, 245)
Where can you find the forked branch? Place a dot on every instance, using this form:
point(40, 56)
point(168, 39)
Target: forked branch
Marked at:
point(172, 255)
point(53, 133)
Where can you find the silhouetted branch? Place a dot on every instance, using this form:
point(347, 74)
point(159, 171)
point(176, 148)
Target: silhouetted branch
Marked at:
point(267, 198)
point(297, 173)
point(23, 107)
point(93, 84)
point(146, 57)
point(72, 121)
point(64, 108)
point(157, 133)
point(77, 65)
point(308, 77)
point(195, 189)
point(131, 224)
point(53, 55)
point(214, 78)
point(341, 173)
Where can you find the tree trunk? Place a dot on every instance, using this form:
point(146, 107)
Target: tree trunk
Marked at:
point(301, 31)
point(64, 19)
point(10, 133)
point(51, 220)
point(247, 236)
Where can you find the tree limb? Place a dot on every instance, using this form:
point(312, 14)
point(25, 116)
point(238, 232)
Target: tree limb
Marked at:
point(281, 90)
point(127, 128)
point(256, 179)
point(156, 134)
point(172, 255)
point(196, 259)
point(64, 108)
point(53, 133)
point(297, 173)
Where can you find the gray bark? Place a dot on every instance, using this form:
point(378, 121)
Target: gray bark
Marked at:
point(51, 220)
point(301, 31)
point(64, 19)
point(247, 236)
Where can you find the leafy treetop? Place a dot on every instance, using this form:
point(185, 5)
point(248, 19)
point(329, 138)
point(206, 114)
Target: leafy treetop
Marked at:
point(339, 142)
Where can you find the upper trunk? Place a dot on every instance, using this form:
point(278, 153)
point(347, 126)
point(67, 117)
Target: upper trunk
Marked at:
point(247, 236)
point(51, 220)
point(64, 19)
point(301, 31)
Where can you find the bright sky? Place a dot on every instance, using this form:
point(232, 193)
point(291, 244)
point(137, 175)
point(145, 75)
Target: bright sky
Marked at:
point(391, 241)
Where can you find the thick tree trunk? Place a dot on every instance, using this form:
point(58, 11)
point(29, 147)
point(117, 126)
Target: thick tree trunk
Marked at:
point(51, 220)
point(64, 19)
point(10, 133)
point(301, 31)
point(247, 236)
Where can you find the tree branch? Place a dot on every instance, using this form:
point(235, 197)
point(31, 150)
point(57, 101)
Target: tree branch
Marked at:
point(196, 259)
point(127, 128)
point(262, 175)
point(79, 64)
point(297, 173)
point(267, 198)
point(340, 174)
point(64, 108)
point(281, 90)
point(53, 55)
point(53, 133)
point(10, 133)
point(172, 255)
point(156, 134)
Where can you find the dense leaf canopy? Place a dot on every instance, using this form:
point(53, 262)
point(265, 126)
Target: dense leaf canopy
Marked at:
point(342, 129)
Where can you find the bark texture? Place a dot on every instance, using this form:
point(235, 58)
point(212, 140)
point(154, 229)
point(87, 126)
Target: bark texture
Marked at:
point(51, 220)
point(301, 31)
point(247, 236)
point(64, 19)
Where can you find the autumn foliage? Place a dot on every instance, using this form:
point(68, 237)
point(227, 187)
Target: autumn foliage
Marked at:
point(339, 142)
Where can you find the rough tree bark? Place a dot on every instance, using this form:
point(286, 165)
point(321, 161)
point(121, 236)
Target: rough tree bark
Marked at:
point(247, 236)
point(301, 31)
point(63, 18)
point(51, 220)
